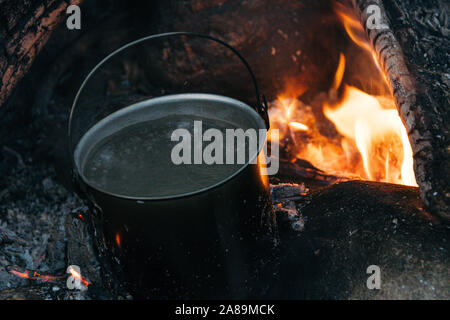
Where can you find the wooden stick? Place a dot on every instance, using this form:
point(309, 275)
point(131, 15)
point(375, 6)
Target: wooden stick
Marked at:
point(421, 95)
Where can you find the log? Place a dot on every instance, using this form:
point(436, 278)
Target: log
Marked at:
point(24, 30)
point(88, 254)
point(348, 226)
point(413, 52)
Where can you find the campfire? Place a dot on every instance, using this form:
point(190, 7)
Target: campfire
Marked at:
point(373, 143)
point(368, 141)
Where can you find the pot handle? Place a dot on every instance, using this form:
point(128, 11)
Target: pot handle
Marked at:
point(261, 102)
point(261, 107)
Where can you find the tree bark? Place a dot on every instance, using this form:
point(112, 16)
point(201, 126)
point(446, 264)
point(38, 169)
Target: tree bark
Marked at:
point(413, 52)
point(25, 27)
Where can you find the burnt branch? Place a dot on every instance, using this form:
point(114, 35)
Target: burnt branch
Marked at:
point(413, 51)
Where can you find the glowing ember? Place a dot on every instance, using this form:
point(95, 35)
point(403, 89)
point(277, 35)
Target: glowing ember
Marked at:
point(118, 240)
point(298, 126)
point(33, 275)
point(371, 140)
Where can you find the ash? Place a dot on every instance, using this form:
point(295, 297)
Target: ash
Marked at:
point(33, 211)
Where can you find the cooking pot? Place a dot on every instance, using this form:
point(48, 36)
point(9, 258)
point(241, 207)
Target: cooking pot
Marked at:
point(169, 235)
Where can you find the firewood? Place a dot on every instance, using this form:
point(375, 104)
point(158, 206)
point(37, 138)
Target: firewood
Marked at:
point(349, 226)
point(414, 56)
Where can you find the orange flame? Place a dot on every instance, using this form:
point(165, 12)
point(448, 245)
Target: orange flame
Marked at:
point(339, 73)
point(354, 30)
point(118, 240)
point(372, 143)
point(34, 275)
point(379, 135)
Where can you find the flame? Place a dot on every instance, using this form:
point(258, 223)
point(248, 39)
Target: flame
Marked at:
point(34, 275)
point(355, 30)
point(372, 141)
point(379, 135)
point(339, 73)
point(118, 240)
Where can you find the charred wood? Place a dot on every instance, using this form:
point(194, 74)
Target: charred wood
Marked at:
point(414, 52)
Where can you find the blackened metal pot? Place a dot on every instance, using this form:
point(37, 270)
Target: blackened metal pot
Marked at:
point(216, 242)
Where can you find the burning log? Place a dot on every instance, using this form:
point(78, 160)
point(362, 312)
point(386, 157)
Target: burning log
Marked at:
point(409, 50)
point(80, 250)
point(301, 170)
point(88, 254)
